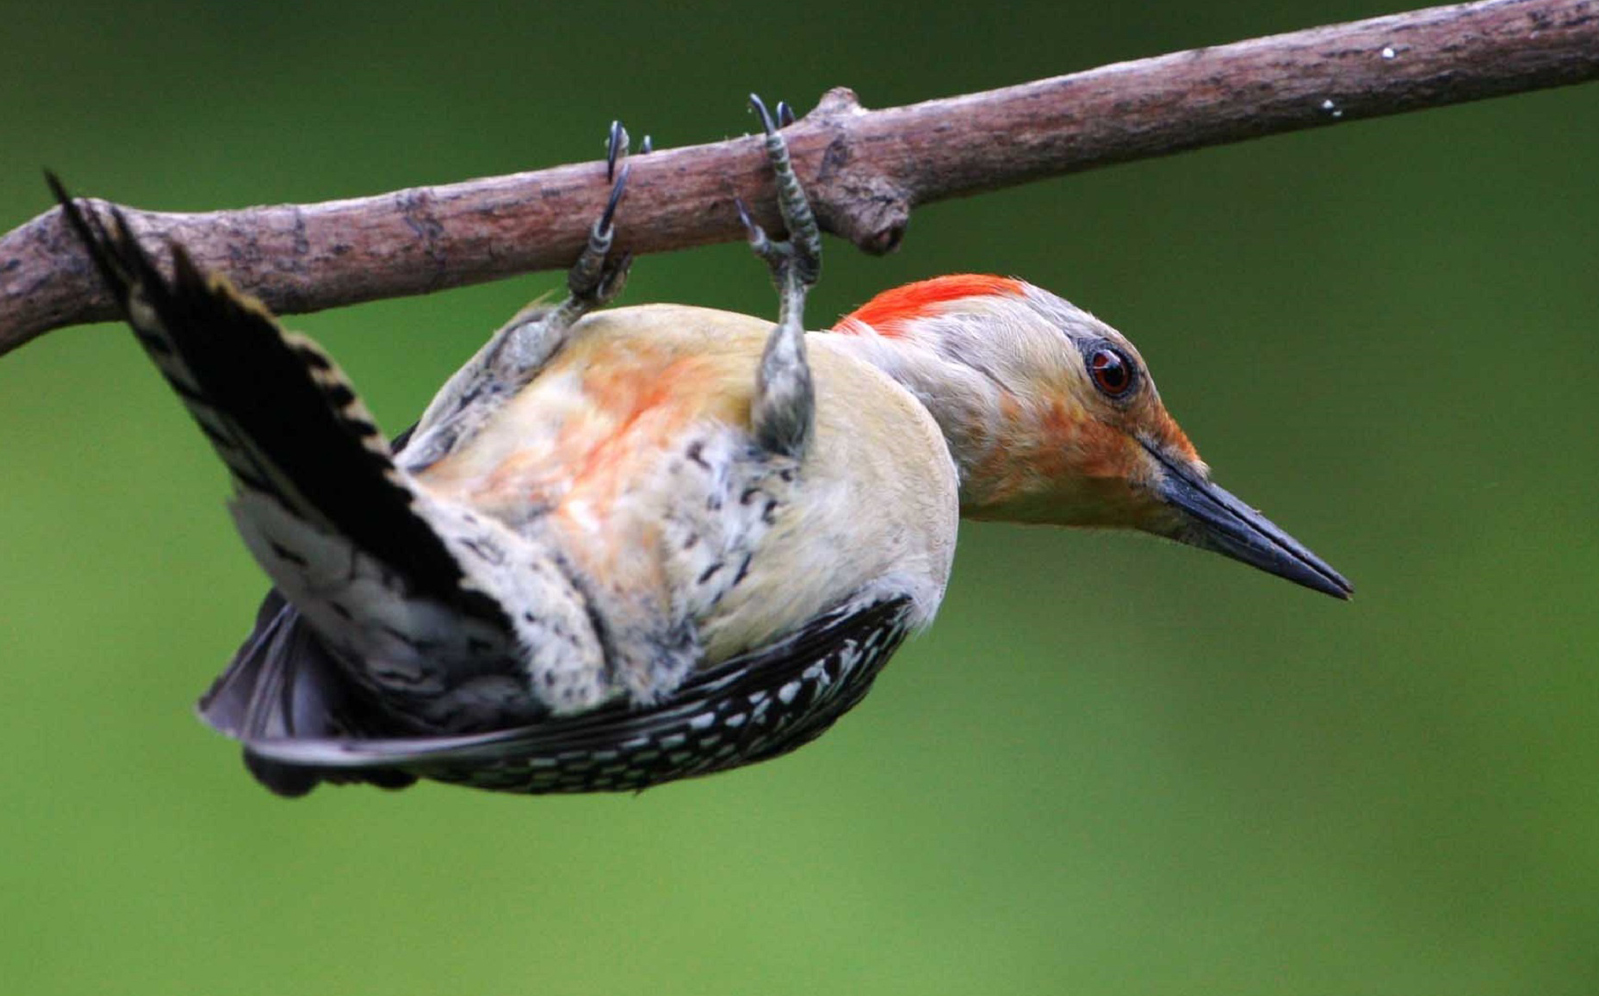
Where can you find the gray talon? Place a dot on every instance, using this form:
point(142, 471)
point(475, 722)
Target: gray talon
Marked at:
point(620, 185)
point(760, 243)
point(766, 117)
point(595, 279)
point(615, 148)
point(799, 257)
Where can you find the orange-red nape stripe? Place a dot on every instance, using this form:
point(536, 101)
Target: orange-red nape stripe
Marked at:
point(890, 310)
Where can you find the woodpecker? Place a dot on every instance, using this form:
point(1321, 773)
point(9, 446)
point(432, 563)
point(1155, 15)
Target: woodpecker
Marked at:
point(631, 546)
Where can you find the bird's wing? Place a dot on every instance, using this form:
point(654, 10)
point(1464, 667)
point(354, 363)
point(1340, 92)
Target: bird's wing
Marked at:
point(749, 708)
point(280, 414)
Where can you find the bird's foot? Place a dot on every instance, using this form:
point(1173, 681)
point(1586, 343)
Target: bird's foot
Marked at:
point(597, 277)
point(796, 261)
point(784, 403)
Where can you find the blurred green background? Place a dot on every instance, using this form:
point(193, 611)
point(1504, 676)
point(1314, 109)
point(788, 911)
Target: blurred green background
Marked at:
point(1114, 766)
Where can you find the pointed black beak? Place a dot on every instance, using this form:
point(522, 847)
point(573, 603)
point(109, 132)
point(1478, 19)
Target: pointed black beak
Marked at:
point(1212, 518)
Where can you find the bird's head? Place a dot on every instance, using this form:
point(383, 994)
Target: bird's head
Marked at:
point(1052, 417)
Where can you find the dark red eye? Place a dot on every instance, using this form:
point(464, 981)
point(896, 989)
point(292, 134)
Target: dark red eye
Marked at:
point(1112, 372)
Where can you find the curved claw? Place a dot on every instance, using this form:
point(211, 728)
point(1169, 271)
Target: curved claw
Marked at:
point(615, 149)
point(646, 147)
point(752, 228)
point(785, 114)
point(760, 242)
point(766, 116)
point(617, 189)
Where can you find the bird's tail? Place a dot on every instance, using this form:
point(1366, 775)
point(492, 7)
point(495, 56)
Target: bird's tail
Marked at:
point(318, 496)
point(277, 410)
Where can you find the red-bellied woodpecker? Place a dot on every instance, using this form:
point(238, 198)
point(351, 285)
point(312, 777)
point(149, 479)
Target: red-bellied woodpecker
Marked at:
point(637, 545)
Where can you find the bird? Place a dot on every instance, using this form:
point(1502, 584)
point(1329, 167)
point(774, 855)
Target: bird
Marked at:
point(627, 546)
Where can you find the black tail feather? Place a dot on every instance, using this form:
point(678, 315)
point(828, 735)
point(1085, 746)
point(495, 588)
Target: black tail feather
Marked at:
point(276, 408)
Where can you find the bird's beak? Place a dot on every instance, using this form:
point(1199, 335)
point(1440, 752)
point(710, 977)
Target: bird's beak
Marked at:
point(1212, 518)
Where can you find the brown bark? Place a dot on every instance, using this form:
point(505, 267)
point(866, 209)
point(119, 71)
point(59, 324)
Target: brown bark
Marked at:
point(864, 169)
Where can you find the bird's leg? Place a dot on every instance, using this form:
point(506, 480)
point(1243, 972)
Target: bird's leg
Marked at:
point(785, 400)
point(515, 354)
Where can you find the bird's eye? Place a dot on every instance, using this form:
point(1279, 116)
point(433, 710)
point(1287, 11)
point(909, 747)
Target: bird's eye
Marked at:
point(1112, 372)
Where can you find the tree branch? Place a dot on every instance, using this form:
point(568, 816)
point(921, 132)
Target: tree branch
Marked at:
point(864, 169)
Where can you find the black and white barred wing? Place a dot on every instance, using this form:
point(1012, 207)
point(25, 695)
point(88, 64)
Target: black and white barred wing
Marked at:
point(753, 707)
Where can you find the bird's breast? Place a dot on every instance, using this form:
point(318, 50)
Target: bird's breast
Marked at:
point(632, 454)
